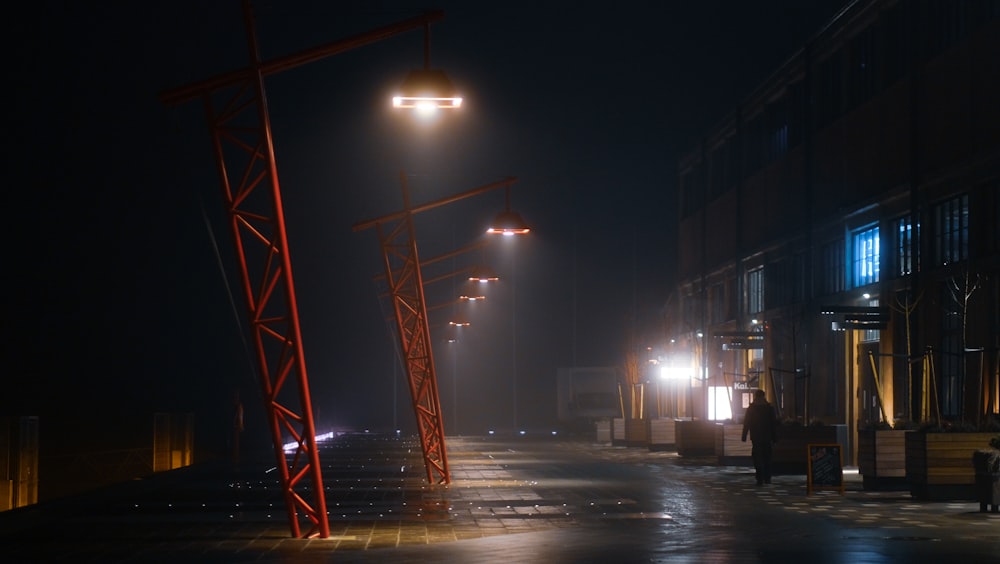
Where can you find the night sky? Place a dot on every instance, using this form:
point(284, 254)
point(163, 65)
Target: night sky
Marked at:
point(117, 305)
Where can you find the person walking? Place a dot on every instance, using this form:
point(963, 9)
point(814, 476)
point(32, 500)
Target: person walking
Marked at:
point(762, 425)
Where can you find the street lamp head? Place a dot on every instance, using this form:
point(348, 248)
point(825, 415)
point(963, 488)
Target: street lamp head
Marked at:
point(508, 223)
point(427, 90)
point(451, 334)
point(483, 274)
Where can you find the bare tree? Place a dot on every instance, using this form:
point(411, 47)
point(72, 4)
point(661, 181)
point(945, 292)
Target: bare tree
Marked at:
point(907, 308)
point(962, 289)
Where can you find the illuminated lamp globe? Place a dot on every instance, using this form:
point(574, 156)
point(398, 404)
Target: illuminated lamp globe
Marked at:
point(427, 89)
point(509, 222)
point(451, 334)
point(483, 274)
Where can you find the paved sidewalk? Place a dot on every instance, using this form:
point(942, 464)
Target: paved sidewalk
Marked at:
point(511, 499)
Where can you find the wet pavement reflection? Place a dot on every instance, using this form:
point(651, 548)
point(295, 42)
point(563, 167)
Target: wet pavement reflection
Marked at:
point(511, 500)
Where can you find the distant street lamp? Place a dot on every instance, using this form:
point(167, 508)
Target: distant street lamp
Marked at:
point(459, 320)
point(508, 222)
point(483, 274)
point(403, 275)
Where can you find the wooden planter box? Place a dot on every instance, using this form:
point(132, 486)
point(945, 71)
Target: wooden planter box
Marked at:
point(791, 451)
point(729, 445)
point(695, 437)
point(662, 434)
point(636, 432)
point(603, 428)
point(882, 458)
point(618, 431)
point(939, 465)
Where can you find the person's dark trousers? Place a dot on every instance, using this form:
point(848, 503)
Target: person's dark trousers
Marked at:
point(761, 453)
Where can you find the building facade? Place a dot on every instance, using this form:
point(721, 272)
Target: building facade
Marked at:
point(839, 232)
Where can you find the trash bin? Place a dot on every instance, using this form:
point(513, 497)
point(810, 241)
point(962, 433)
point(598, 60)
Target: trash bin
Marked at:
point(987, 465)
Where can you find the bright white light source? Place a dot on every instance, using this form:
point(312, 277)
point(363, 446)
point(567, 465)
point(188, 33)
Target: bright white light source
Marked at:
point(420, 102)
point(426, 108)
point(719, 407)
point(675, 372)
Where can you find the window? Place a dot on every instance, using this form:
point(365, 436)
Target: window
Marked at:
point(690, 310)
point(832, 277)
point(905, 236)
point(951, 230)
point(716, 300)
point(866, 257)
point(871, 335)
point(755, 290)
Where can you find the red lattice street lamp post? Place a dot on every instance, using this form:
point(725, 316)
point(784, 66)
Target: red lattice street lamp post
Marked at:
point(236, 109)
point(406, 286)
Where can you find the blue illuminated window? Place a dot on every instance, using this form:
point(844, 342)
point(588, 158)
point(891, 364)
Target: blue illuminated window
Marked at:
point(866, 257)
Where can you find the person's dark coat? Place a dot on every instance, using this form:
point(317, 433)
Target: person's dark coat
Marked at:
point(760, 422)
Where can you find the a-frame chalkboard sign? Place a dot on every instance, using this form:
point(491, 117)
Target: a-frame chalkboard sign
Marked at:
point(825, 468)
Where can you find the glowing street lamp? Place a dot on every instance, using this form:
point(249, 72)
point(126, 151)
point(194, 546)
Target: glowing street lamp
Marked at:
point(427, 90)
point(470, 292)
point(451, 334)
point(508, 222)
point(483, 274)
